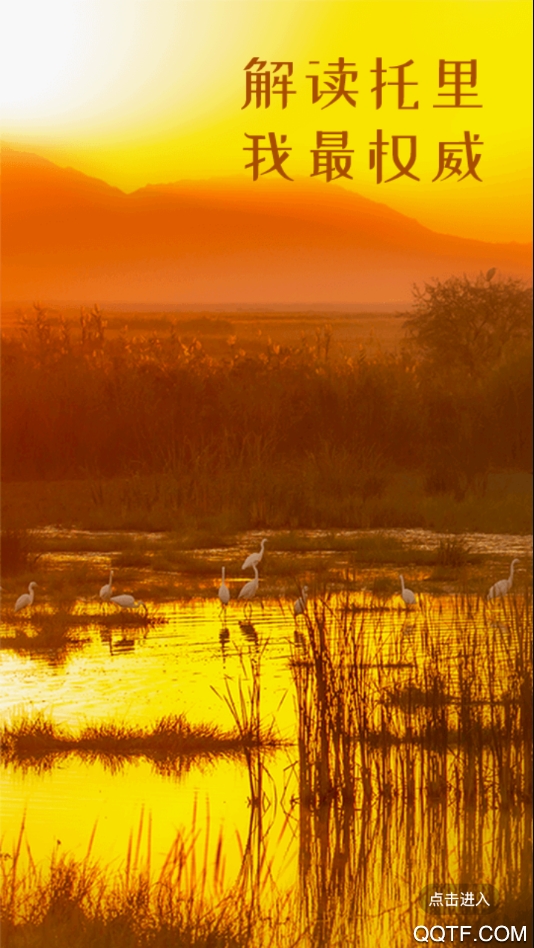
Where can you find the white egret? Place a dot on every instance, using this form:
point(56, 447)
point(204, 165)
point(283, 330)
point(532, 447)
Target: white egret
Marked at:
point(250, 589)
point(254, 558)
point(504, 585)
point(26, 599)
point(105, 592)
point(125, 601)
point(300, 605)
point(407, 594)
point(224, 592)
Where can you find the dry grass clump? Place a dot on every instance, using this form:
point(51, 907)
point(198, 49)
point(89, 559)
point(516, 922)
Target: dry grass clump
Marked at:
point(79, 903)
point(452, 551)
point(38, 742)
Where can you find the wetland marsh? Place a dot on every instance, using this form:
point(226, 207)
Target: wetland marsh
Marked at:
point(365, 750)
point(183, 774)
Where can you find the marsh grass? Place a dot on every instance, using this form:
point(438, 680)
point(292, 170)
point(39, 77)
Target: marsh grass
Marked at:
point(446, 683)
point(187, 903)
point(17, 552)
point(285, 503)
point(408, 727)
point(243, 700)
point(346, 867)
point(168, 565)
point(452, 551)
point(171, 744)
point(393, 445)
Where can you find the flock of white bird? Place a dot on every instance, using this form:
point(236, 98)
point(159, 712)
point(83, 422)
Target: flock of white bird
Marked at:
point(249, 590)
point(125, 601)
point(498, 589)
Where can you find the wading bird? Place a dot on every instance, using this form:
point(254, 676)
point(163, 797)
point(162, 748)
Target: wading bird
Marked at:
point(300, 605)
point(105, 592)
point(407, 594)
point(26, 599)
point(504, 585)
point(224, 592)
point(250, 589)
point(254, 558)
point(125, 601)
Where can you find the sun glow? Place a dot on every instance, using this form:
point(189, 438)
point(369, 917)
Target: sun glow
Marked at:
point(145, 92)
point(44, 53)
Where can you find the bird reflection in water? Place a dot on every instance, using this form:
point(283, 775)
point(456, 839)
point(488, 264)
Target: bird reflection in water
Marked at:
point(408, 626)
point(224, 638)
point(124, 644)
point(249, 631)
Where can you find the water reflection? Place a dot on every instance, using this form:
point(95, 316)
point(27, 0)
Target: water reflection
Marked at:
point(409, 764)
point(249, 631)
point(173, 664)
point(351, 873)
point(224, 638)
point(124, 644)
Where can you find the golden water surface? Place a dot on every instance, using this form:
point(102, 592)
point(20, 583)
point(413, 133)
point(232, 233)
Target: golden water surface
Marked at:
point(346, 870)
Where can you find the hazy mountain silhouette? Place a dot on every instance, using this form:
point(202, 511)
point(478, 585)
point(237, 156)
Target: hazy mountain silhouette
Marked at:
point(69, 236)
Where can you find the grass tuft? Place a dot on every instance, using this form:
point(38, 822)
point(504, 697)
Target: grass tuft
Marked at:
point(452, 551)
point(38, 742)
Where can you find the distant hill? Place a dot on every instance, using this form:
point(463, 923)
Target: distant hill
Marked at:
point(69, 236)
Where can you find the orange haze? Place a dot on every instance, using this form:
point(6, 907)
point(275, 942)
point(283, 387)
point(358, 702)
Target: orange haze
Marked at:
point(67, 236)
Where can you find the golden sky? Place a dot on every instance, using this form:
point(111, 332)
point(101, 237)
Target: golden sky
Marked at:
point(148, 91)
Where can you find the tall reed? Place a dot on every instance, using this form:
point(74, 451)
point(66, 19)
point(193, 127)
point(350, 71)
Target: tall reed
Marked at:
point(286, 431)
point(406, 722)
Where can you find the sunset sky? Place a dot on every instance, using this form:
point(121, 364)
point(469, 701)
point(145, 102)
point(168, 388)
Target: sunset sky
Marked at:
point(148, 91)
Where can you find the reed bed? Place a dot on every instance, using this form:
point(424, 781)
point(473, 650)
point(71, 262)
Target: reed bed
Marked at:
point(170, 744)
point(413, 730)
point(454, 681)
point(286, 438)
point(187, 903)
point(360, 877)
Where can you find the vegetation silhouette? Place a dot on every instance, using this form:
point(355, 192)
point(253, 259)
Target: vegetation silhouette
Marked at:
point(150, 430)
point(467, 325)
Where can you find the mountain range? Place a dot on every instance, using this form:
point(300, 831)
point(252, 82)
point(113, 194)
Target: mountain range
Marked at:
point(68, 236)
